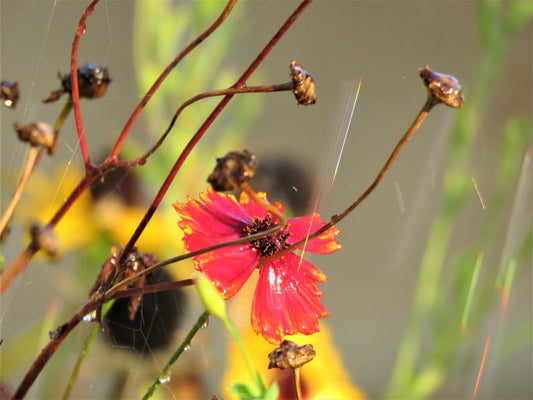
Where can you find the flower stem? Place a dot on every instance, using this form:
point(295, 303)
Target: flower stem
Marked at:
point(200, 132)
point(165, 373)
point(422, 114)
point(224, 92)
point(30, 162)
point(296, 375)
point(131, 121)
point(74, 79)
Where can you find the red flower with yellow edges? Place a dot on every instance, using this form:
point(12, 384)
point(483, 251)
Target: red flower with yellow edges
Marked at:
point(286, 299)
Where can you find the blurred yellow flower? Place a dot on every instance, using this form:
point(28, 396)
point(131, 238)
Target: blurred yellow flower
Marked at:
point(323, 378)
point(88, 218)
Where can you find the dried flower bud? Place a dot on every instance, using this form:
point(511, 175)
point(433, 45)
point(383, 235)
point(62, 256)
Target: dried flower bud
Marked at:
point(232, 170)
point(10, 93)
point(44, 239)
point(290, 355)
point(92, 83)
point(303, 84)
point(37, 133)
point(445, 88)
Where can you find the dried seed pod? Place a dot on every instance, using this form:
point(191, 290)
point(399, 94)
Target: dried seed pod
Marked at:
point(232, 170)
point(37, 133)
point(290, 355)
point(92, 83)
point(303, 84)
point(444, 88)
point(44, 239)
point(10, 93)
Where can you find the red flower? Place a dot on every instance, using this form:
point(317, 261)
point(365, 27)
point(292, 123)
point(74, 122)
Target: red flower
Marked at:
point(286, 299)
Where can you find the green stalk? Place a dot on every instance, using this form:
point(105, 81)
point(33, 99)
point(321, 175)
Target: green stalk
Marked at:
point(165, 373)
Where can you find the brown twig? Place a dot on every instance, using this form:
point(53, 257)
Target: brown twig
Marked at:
point(200, 132)
point(422, 114)
point(131, 121)
point(30, 162)
point(224, 92)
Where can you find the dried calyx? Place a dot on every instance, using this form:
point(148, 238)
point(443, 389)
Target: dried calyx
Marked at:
point(443, 88)
point(92, 83)
point(290, 355)
point(37, 134)
point(232, 170)
point(303, 84)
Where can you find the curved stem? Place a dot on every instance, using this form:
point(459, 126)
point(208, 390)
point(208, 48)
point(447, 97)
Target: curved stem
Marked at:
point(131, 121)
point(34, 158)
point(224, 92)
point(74, 81)
point(30, 162)
point(422, 114)
point(200, 132)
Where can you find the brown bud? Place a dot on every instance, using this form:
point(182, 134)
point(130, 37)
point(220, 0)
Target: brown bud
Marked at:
point(290, 355)
point(444, 88)
point(44, 239)
point(92, 83)
point(303, 84)
point(37, 133)
point(10, 93)
point(232, 170)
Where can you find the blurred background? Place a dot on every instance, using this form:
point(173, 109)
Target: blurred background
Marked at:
point(398, 289)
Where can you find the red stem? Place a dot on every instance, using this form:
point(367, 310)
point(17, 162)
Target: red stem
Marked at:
point(127, 128)
point(74, 78)
point(200, 132)
point(157, 287)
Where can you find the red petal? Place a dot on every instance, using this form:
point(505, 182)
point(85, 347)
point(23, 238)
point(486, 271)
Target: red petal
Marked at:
point(303, 226)
point(228, 268)
point(287, 299)
point(254, 209)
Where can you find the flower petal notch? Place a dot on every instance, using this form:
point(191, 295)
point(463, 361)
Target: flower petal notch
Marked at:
point(232, 170)
point(444, 88)
point(92, 83)
point(10, 93)
point(287, 298)
point(303, 84)
point(290, 355)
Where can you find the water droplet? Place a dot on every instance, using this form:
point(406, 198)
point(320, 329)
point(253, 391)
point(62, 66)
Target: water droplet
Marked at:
point(205, 324)
point(91, 317)
point(187, 347)
point(165, 379)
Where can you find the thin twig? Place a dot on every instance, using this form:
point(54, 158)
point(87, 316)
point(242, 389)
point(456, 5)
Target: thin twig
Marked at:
point(224, 92)
point(30, 162)
point(422, 114)
point(200, 132)
point(131, 121)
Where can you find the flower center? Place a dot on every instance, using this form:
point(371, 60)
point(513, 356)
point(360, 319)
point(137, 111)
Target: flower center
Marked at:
point(268, 245)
